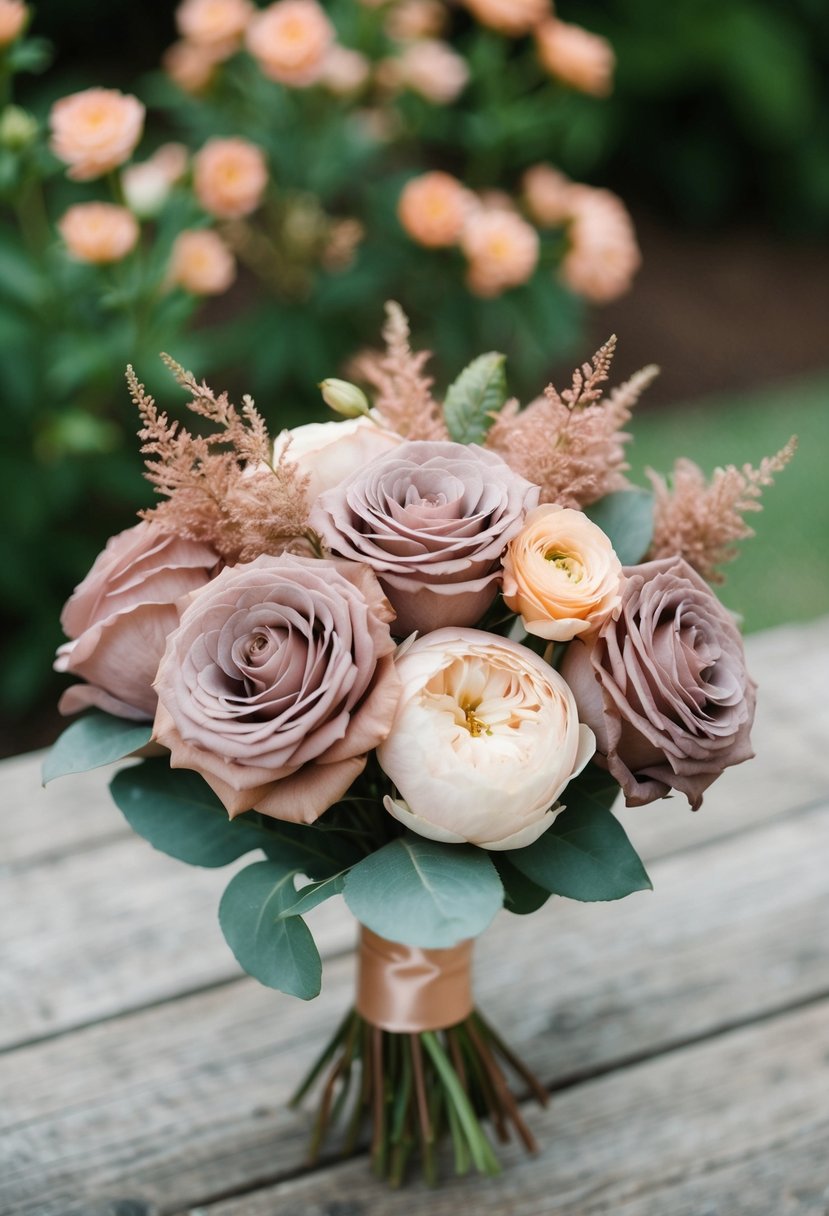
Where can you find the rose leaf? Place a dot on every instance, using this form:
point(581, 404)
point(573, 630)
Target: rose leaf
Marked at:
point(626, 517)
point(92, 741)
point(279, 952)
point(474, 399)
point(521, 896)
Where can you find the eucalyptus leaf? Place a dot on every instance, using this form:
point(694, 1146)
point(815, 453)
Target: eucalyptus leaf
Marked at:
point(474, 399)
point(423, 893)
point(178, 813)
point(626, 517)
point(92, 741)
point(316, 893)
point(278, 951)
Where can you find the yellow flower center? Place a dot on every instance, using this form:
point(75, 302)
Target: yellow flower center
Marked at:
point(568, 564)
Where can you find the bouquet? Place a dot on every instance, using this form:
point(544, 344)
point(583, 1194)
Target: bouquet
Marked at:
point(409, 657)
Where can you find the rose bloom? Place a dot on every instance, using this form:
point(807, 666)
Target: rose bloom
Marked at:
point(512, 17)
point(432, 519)
point(13, 17)
point(561, 574)
point(201, 263)
point(665, 687)
point(344, 71)
point(485, 738)
point(230, 177)
point(120, 615)
point(278, 682)
point(214, 23)
point(576, 57)
point(603, 256)
point(190, 65)
point(98, 232)
point(432, 69)
point(291, 40)
point(502, 249)
point(548, 195)
point(433, 209)
point(328, 452)
point(416, 19)
point(95, 131)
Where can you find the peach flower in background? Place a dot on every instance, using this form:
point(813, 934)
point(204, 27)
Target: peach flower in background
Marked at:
point(201, 263)
point(603, 256)
point(502, 249)
point(345, 71)
point(172, 159)
point(98, 232)
point(190, 66)
point(291, 40)
point(432, 69)
point(416, 19)
point(561, 574)
point(230, 177)
point(576, 57)
point(95, 131)
point(548, 195)
point(433, 209)
point(214, 23)
point(13, 18)
point(512, 17)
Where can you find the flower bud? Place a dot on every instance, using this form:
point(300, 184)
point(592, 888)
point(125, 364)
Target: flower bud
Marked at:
point(344, 398)
point(18, 128)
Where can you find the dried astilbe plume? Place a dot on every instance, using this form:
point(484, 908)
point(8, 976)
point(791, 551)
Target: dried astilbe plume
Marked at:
point(404, 397)
point(221, 487)
point(703, 521)
point(571, 444)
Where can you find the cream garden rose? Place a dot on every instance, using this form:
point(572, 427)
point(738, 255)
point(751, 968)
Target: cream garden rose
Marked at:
point(328, 452)
point(561, 574)
point(485, 739)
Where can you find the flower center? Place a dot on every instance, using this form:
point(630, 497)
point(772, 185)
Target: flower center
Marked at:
point(567, 564)
point(475, 725)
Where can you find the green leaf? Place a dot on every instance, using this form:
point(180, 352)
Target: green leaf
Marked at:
point(585, 854)
point(178, 813)
point(316, 893)
point(423, 893)
point(475, 398)
point(521, 896)
point(92, 741)
point(317, 850)
point(626, 516)
point(278, 952)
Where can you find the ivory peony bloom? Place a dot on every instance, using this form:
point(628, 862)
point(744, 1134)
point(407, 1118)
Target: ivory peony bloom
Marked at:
point(291, 40)
point(201, 263)
point(13, 17)
point(511, 17)
point(98, 232)
point(230, 177)
point(603, 256)
point(214, 23)
point(328, 452)
point(433, 209)
point(432, 69)
point(561, 574)
point(576, 57)
point(95, 131)
point(485, 739)
point(502, 249)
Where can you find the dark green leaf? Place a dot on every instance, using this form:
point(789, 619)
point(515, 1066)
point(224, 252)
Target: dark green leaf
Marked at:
point(93, 740)
point(424, 893)
point(316, 850)
point(278, 952)
point(178, 813)
point(521, 896)
point(316, 893)
point(475, 398)
point(626, 516)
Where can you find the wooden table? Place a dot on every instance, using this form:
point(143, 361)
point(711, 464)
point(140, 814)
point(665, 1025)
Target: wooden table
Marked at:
point(684, 1034)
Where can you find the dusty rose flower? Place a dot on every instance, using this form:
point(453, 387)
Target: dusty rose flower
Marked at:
point(328, 452)
point(502, 250)
point(214, 23)
point(432, 519)
point(433, 209)
point(291, 40)
point(344, 71)
point(665, 687)
point(485, 739)
point(512, 17)
point(98, 232)
point(13, 17)
point(120, 615)
point(416, 19)
point(278, 682)
point(432, 69)
point(548, 195)
point(561, 574)
point(201, 263)
point(95, 131)
point(603, 256)
point(190, 65)
point(230, 177)
point(576, 57)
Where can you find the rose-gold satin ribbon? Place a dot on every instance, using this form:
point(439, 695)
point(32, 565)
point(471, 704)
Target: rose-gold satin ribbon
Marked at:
point(406, 989)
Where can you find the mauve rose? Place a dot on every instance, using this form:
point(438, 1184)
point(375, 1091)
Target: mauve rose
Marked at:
point(665, 687)
point(432, 519)
point(120, 615)
point(277, 683)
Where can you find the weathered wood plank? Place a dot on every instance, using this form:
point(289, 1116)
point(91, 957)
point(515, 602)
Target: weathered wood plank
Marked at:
point(184, 1101)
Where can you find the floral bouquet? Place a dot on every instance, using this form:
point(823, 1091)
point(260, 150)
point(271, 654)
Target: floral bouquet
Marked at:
point(409, 657)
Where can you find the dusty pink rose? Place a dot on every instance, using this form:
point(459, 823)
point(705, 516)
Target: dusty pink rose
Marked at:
point(230, 177)
point(278, 682)
point(201, 262)
point(98, 232)
point(664, 687)
point(433, 208)
point(291, 40)
point(431, 519)
point(511, 17)
point(603, 256)
point(95, 131)
point(576, 57)
point(120, 615)
point(13, 17)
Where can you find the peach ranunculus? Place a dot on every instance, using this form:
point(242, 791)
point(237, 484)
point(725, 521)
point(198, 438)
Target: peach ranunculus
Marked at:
point(13, 17)
point(95, 131)
point(603, 255)
point(345, 71)
point(201, 263)
point(576, 57)
point(502, 250)
point(230, 177)
point(290, 40)
point(485, 739)
point(328, 452)
point(432, 69)
point(548, 195)
point(433, 209)
point(214, 23)
point(278, 682)
point(118, 618)
point(410, 19)
point(561, 574)
point(511, 17)
point(190, 65)
point(98, 232)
